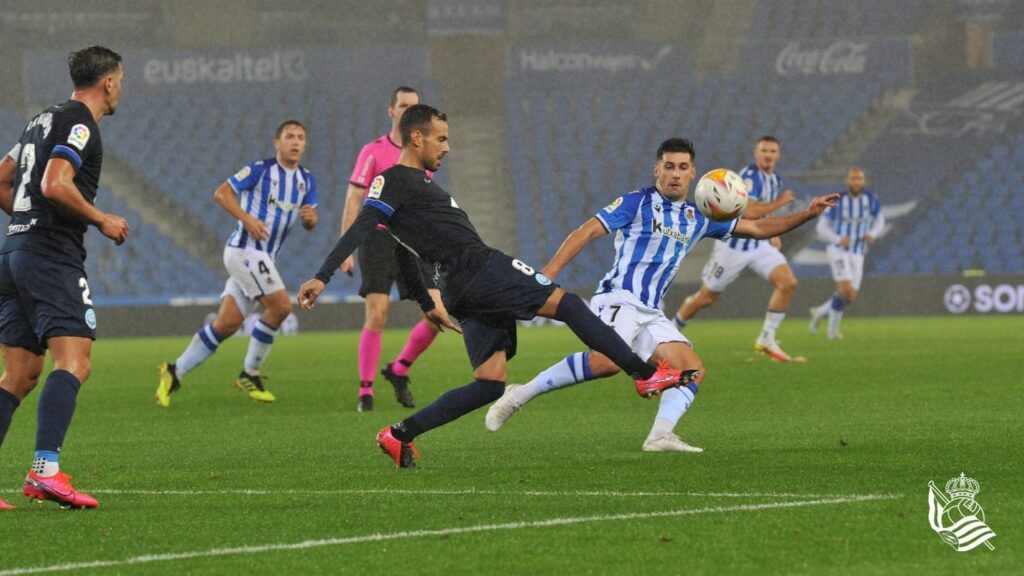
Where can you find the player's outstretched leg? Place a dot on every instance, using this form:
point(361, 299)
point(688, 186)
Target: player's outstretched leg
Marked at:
point(819, 313)
point(570, 308)
point(21, 374)
point(56, 408)
point(694, 303)
point(203, 344)
point(397, 372)
point(573, 369)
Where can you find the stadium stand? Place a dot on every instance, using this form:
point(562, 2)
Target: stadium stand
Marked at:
point(835, 18)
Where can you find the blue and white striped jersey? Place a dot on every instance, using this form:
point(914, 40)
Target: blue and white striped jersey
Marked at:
point(273, 194)
point(855, 217)
point(652, 236)
point(761, 187)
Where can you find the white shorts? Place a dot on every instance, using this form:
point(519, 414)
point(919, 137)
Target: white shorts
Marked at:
point(846, 266)
point(641, 327)
point(726, 264)
point(252, 274)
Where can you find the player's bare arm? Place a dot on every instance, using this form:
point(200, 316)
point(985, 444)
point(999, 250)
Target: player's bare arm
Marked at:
point(353, 202)
point(309, 216)
point(58, 186)
point(572, 245)
point(225, 198)
point(757, 209)
point(770, 227)
point(8, 171)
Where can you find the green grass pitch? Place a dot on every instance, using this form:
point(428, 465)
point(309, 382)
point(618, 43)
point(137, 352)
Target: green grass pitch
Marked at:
point(813, 468)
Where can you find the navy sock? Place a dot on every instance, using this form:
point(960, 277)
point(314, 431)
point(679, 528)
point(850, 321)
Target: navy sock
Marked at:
point(56, 407)
point(599, 336)
point(8, 404)
point(449, 406)
point(838, 302)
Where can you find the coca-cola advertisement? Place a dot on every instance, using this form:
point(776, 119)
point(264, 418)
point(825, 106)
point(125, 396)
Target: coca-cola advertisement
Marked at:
point(832, 57)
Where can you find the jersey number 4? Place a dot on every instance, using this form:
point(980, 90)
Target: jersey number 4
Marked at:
point(22, 201)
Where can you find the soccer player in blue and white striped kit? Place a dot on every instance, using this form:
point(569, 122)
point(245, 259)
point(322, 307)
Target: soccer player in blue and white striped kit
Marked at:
point(729, 259)
point(267, 197)
point(849, 228)
point(655, 228)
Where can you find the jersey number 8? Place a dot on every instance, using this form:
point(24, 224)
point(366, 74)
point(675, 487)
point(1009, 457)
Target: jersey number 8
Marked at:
point(523, 267)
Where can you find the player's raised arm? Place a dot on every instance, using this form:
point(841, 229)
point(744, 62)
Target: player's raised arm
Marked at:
point(771, 227)
point(58, 186)
point(573, 244)
point(756, 209)
point(8, 171)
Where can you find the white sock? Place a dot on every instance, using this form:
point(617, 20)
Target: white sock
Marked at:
point(824, 308)
point(259, 346)
point(202, 346)
point(573, 369)
point(834, 318)
point(45, 467)
point(674, 403)
point(772, 320)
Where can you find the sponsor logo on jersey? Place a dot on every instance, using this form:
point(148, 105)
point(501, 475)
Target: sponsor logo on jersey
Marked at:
point(79, 136)
point(660, 228)
point(611, 207)
point(376, 187)
point(243, 173)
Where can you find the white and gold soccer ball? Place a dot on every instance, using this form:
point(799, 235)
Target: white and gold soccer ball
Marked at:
point(721, 195)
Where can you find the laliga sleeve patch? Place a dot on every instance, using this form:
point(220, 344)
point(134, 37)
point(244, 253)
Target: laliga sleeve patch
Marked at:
point(79, 136)
point(90, 318)
point(749, 184)
point(376, 186)
point(611, 207)
point(243, 173)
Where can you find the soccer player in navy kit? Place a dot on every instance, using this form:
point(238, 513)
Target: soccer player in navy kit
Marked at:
point(486, 289)
point(45, 302)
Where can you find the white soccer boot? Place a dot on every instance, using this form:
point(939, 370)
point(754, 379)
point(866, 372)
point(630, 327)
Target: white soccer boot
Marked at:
point(816, 319)
point(668, 442)
point(503, 409)
point(768, 345)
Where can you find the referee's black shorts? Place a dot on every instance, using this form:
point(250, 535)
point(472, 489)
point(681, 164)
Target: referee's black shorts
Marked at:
point(378, 267)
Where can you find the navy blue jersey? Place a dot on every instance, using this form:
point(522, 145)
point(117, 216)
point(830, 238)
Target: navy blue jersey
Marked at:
point(65, 131)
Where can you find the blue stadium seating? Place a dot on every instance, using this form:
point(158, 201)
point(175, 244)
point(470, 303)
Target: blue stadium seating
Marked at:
point(835, 18)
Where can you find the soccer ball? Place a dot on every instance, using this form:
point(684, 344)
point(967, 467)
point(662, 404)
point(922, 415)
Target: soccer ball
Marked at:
point(721, 195)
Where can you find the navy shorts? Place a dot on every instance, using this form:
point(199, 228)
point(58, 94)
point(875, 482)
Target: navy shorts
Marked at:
point(505, 290)
point(41, 298)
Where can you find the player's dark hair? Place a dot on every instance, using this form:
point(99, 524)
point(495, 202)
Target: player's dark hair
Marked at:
point(287, 123)
point(419, 117)
point(401, 90)
point(768, 138)
point(677, 145)
point(90, 64)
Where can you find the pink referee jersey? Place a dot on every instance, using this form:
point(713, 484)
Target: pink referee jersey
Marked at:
point(374, 158)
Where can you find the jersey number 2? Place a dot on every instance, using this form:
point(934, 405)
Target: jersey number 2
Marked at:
point(22, 201)
point(84, 285)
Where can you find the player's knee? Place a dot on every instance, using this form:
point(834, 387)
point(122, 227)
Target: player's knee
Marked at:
point(226, 326)
point(787, 283)
point(849, 293)
point(707, 298)
point(79, 367)
point(279, 312)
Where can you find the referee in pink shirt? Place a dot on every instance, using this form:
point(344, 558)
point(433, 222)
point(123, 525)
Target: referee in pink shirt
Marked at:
point(378, 267)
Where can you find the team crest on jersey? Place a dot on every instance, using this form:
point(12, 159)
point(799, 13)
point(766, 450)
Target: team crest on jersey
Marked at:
point(90, 318)
point(689, 213)
point(243, 173)
point(376, 186)
point(302, 186)
point(611, 207)
point(79, 136)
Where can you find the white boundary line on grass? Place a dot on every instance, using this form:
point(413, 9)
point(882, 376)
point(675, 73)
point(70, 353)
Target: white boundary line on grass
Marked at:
point(308, 544)
point(461, 492)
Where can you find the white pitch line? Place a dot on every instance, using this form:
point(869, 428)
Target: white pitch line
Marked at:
point(461, 492)
point(308, 544)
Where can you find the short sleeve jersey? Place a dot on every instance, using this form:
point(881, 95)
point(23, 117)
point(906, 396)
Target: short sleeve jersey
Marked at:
point(652, 237)
point(69, 132)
